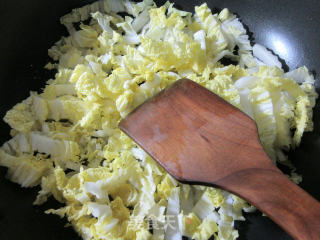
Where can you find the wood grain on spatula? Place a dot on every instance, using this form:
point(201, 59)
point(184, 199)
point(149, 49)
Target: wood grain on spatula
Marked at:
point(199, 138)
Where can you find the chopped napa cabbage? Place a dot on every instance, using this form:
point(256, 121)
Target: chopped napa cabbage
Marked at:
point(265, 56)
point(21, 117)
point(66, 139)
point(173, 230)
point(211, 199)
point(26, 170)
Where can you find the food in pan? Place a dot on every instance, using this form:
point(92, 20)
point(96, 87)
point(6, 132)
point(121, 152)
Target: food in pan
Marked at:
point(118, 54)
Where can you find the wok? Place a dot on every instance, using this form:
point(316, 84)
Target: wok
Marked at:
point(29, 28)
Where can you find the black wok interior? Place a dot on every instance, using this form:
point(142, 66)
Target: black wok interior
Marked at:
point(28, 28)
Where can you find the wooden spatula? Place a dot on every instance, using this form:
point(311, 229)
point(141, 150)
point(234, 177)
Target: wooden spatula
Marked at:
point(199, 138)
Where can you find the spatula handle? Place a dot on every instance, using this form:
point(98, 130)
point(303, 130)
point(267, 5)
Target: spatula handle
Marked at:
point(277, 196)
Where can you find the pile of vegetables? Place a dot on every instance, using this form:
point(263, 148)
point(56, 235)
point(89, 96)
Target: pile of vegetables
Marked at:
point(66, 138)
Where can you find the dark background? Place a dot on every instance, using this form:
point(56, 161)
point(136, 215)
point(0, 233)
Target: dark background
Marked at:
point(28, 28)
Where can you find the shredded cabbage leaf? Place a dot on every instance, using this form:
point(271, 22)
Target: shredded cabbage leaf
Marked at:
point(66, 138)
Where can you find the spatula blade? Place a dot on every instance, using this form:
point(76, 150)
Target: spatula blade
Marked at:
point(194, 134)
